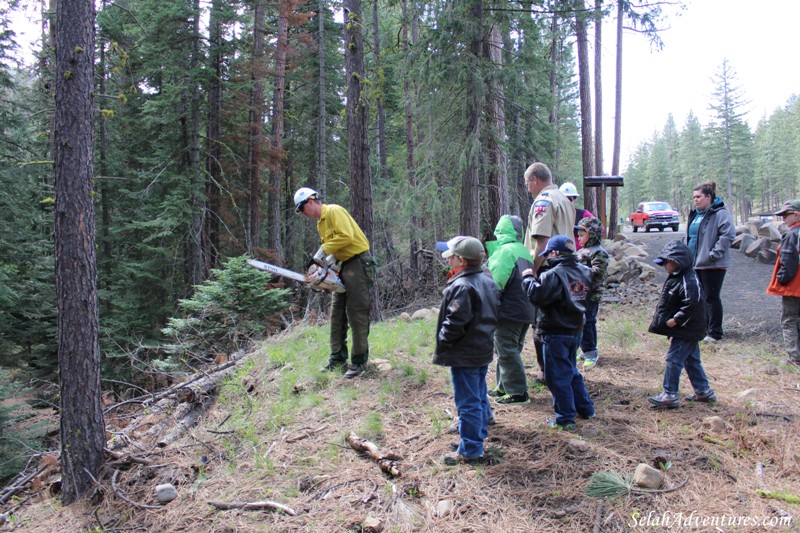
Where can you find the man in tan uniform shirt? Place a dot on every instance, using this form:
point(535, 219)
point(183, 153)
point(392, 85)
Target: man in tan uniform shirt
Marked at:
point(551, 214)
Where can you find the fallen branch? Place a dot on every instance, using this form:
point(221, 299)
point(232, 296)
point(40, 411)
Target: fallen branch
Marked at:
point(788, 418)
point(253, 506)
point(307, 434)
point(124, 498)
point(660, 491)
point(385, 461)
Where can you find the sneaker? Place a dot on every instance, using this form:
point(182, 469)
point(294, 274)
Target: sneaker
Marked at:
point(552, 423)
point(513, 399)
point(709, 338)
point(579, 356)
point(354, 371)
point(589, 363)
point(496, 392)
point(706, 397)
point(587, 417)
point(335, 366)
point(454, 459)
point(670, 401)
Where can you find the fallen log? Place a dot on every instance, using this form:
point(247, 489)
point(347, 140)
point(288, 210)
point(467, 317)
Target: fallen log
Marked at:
point(386, 462)
point(253, 506)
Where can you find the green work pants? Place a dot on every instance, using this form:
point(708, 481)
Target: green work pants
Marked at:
point(352, 308)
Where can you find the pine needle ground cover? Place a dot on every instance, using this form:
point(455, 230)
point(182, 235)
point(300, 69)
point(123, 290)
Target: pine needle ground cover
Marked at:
point(278, 432)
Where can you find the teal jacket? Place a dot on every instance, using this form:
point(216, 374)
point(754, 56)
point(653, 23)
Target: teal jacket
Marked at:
point(508, 257)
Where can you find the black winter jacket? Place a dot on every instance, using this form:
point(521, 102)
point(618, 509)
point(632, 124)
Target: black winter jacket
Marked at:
point(681, 298)
point(467, 320)
point(560, 295)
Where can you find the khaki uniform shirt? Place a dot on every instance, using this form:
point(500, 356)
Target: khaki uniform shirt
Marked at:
point(339, 233)
point(551, 214)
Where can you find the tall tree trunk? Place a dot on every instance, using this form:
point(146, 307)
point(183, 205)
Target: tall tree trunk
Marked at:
point(82, 426)
point(600, 196)
point(255, 121)
point(197, 268)
point(104, 263)
point(410, 164)
point(496, 136)
point(213, 136)
point(587, 153)
point(470, 218)
point(322, 180)
point(277, 155)
point(358, 142)
point(613, 215)
point(379, 101)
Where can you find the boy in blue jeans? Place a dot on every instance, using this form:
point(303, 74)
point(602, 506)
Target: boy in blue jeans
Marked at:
point(593, 255)
point(681, 315)
point(464, 342)
point(560, 294)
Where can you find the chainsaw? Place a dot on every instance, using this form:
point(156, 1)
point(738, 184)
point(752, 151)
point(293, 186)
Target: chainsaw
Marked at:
point(319, 277)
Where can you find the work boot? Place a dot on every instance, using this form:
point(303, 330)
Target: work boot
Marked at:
point(354, 371)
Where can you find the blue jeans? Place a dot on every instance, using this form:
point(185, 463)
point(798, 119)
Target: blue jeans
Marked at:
point(565, 382)
point(589, 340)
point(474, 412)
point(509, 339)
point(684, 354)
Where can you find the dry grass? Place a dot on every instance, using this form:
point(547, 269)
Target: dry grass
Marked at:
point(242, 451)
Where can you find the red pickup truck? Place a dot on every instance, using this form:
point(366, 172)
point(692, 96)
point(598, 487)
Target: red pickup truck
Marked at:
point(655, 215)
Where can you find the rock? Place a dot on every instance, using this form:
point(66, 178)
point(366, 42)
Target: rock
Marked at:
point(590, 432)
point(647, 477)
point(619, 237)
point(715, 424)
point(383, 365)
point(744, 241)
point(762, 243)
point(771, 370)
point(444, 507)
point(421, 314)
point(767, 257)
point(578, 446)
point(166, 493)
point(372, 525)
point(405, 317)
point(749, 394)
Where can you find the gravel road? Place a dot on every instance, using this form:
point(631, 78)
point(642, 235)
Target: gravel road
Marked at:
point(747, 307)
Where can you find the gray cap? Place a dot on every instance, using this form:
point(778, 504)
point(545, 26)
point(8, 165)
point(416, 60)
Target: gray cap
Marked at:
point(467, 247)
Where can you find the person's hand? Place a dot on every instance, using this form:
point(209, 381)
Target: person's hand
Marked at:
point(527, 272)
point(671, 323)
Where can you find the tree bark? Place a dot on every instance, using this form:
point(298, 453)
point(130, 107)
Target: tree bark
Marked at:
point(600, 192)
point(322, 181)
point(496, 137)
point(197, 268)
point(213, 137)
point(470, 214)
point(587, 152)
point(277, 155)
point(82, 425)
point(256, 117)
point(614, 208)
point(379, 101)
point(413, 242)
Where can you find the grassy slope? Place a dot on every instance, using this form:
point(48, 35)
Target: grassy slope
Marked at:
point(277, 433)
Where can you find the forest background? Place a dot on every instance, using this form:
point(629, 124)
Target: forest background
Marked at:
point(209, 115)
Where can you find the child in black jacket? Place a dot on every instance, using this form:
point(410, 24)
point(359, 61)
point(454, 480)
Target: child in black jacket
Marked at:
point(681, 315)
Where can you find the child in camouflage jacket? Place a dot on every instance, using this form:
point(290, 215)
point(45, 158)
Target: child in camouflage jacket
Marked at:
point(593, 255)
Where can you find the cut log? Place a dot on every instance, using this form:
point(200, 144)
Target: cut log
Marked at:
point(253, 506)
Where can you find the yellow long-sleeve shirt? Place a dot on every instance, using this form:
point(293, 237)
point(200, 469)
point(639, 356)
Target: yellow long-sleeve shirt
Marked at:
point(339, 233)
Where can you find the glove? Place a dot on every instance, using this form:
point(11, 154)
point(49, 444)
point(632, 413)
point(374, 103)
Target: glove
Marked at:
point(319, 256)
point(317, 275)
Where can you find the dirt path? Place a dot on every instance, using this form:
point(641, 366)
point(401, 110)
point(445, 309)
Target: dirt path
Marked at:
point(748, 309)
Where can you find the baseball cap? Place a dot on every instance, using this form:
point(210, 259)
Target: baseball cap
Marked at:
point(788, 207)
point(466, 247)
point(559, 243)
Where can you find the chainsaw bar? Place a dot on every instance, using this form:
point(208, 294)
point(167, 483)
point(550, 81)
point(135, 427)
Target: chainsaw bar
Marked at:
point(330, 281)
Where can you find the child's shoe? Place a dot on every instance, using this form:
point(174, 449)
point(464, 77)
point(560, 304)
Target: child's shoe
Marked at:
point(590, 362)
point(706, 397)
point(670, 401)
point(579, 355)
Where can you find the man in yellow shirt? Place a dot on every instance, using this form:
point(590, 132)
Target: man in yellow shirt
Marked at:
point(343, 239)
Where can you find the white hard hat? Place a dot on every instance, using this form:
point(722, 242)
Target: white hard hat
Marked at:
point(303, 195)
point(569, 189)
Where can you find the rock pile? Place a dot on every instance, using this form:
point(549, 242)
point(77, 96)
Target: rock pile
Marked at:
point(759, 240)
point(631, 273)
